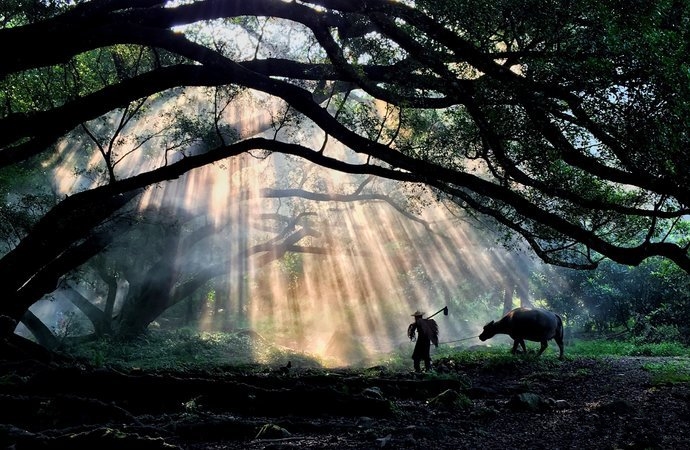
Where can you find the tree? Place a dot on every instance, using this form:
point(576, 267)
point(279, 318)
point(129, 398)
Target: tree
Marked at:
point(649, 301)
point(566, 122)
point(168, 253)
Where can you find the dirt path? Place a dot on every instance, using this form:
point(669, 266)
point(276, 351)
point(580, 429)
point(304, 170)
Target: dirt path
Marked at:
point(516, 403)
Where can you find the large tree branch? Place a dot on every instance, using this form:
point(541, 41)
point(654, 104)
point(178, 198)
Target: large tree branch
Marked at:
point(325, 197)
point(44, 127)
point(233, 72)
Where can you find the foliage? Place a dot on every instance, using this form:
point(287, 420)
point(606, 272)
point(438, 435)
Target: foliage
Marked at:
point(669, 372)
point(450, 400)
point(564, 122)
point(597, 348)
point(648, 300)
point(20, 12)
point(187, 349)
point(69, 325)
point(24, 201)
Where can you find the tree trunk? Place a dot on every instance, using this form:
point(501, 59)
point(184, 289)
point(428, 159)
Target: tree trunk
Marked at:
point(92, 312)
point(61, 241)
point(507, 298)
point(523, 293)
point(41, 332)
point(112, 283)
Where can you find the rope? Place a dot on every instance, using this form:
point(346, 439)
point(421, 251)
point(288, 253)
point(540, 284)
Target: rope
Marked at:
point(458, 340)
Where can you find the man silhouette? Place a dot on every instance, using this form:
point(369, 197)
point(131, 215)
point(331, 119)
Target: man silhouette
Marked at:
point(427, 334)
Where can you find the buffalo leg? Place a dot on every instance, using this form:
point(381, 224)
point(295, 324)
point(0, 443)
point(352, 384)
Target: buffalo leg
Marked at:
point(521, 343)
point(515, 346)
point(543, 347)
point(559, 341)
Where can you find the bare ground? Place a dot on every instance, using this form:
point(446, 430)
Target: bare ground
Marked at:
point(516, 403)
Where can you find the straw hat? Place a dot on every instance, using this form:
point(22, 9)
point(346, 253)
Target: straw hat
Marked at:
point(418, 314)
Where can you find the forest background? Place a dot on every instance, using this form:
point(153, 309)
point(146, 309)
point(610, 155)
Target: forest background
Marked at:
point(316, 171)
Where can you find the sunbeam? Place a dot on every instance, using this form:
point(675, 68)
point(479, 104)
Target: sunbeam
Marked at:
point(335, 279)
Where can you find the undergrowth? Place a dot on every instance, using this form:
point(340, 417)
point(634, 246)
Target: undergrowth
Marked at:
point(187, 349)
point(669, 372)
point(595, 348)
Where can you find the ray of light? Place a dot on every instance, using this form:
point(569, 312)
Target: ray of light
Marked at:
point(349, 301)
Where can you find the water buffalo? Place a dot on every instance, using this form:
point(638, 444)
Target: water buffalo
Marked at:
point(533, 324)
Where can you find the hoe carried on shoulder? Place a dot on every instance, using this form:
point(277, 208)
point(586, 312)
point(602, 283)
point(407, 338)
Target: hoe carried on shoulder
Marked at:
point(444, 310)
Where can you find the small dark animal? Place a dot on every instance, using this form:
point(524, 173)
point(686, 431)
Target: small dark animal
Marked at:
point(286, 368)
point(533, 324)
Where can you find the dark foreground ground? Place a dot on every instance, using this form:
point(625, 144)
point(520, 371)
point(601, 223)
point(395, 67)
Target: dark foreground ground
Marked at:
point(514, 403)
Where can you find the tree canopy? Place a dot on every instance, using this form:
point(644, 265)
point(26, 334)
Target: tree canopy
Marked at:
point(566, 122)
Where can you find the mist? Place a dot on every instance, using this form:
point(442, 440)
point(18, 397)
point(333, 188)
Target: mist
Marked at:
point(317, 261)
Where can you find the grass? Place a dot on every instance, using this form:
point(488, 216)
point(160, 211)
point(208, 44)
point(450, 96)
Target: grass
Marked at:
point(669, 372)
point(673, 369)
point(187, 349)
point(594, 348)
